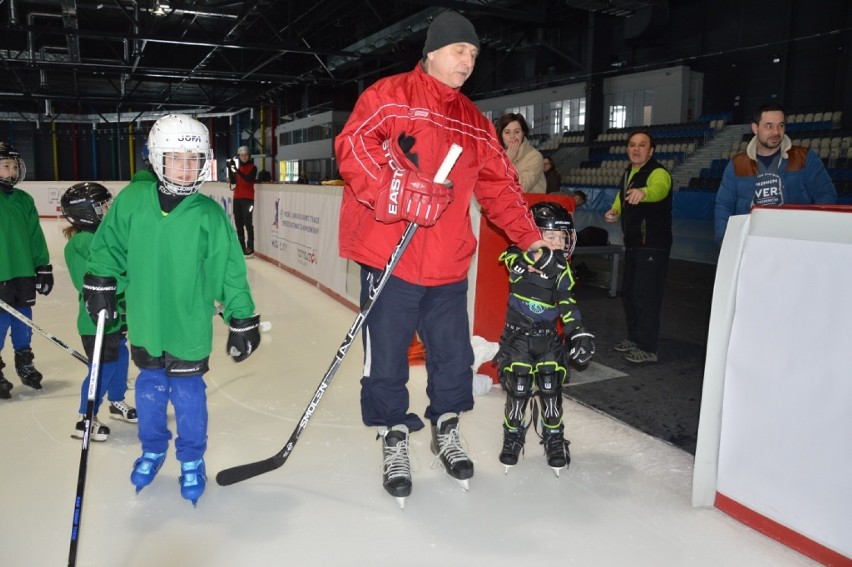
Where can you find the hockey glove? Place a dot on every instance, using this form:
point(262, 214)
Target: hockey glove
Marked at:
point(99, 294)
point(406, 194)
point(582, 345)
point(515, 261)
point(551, 263)
point(44, 279)
point(243, 337)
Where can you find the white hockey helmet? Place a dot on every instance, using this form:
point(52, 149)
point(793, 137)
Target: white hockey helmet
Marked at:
point(13, 169)
point(179, 152)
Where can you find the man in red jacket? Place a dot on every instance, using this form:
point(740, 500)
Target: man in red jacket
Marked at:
point(244, 173)
point(397, 136)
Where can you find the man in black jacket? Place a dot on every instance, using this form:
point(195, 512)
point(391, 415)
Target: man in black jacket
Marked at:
point(644, 204)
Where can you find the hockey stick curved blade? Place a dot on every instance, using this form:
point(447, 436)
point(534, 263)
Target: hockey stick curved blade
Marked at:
point(240, 473)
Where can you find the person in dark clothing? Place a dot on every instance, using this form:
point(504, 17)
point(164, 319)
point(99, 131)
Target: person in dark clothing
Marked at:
point(644, 204)
point(551, 175)
point(243, 173)
point(534, 355)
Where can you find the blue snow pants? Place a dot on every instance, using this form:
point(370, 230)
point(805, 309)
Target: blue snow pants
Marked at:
point(21, 333)
point(188, 395)
point(112, 379)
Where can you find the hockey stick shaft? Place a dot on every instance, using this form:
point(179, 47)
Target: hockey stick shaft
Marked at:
point(87, 432)
point(29, 323)
point(244, 472)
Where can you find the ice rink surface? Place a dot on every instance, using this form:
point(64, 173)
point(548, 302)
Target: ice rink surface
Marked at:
point(625, 501)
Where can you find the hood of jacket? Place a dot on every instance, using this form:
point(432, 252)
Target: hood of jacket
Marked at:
point(786, 144)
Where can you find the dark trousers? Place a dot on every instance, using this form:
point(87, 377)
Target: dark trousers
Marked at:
point(242, 219)
point(439, 316)
point(642, 294)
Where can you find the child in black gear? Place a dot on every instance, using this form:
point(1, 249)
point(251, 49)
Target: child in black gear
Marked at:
point(533, 357)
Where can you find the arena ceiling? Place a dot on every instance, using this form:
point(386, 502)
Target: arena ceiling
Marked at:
point(76, 58)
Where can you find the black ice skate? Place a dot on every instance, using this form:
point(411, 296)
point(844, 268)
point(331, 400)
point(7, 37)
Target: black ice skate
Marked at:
point(446, 444)
point(556, 449)
point(513, 446)
point(5, 385)
point(396, 465)
point(99, 431)
point(121, 411)
point(26, 371)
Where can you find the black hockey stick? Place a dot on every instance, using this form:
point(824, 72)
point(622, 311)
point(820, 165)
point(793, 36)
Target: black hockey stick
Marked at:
point(28, 322)
point(244, 472)
point(87, 432)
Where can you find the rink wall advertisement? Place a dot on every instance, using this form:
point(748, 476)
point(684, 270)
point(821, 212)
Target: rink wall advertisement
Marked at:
point(295, 226)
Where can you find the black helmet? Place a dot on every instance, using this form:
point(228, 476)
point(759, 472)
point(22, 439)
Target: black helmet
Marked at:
point(553, 216)
point(8, 152)
point(85, 204)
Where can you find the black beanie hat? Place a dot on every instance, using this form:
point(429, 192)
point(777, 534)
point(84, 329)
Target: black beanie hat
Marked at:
point(447, 28)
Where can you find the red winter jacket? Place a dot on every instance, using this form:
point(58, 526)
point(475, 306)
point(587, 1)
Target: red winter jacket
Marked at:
point(426, 117)
point(244, 177)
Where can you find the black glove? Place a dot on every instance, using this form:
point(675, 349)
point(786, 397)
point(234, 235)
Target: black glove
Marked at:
point(551, 263)
point(243, 337)
point(99, 294)
point(44, 279)
point(582, 345)
point(515, 261)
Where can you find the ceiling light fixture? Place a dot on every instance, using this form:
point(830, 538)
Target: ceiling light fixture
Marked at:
point(159, 9)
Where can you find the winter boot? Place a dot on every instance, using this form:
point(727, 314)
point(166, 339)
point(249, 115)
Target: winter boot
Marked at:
point(100, 432)
point(122, 411)
point(446, 444)
point(513, 446)
point(26, 371)
point(5, 385)
point(556, 449)
point(193, 479)
point(145, 469)
point(396, 465)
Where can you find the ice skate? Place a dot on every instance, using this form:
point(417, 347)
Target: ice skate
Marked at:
point(26, 371)
point(396, 465)
point(145, 469)
point(513, 446)
point(5, 385)
point(123, 412)
point(446, 444)
point(193, 479)
point(100, 432)
point(556, 450)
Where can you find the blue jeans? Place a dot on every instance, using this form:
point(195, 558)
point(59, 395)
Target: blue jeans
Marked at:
point(439, 316)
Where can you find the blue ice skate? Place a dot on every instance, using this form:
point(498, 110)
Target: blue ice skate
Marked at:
point(145, 469)
point(193, 479)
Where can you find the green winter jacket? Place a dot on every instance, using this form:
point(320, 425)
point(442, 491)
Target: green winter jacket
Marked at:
point(22, 244)
point(76, 258)
point(171, 268)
